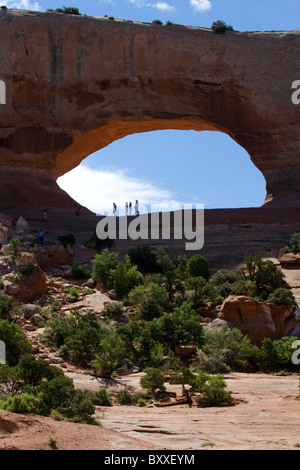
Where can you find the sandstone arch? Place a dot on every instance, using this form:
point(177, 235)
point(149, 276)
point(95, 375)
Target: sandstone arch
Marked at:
point(75, 84)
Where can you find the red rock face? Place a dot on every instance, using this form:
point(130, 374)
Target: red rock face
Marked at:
point(75, 84)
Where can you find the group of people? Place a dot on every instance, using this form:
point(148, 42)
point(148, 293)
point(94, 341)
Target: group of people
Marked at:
point(128, 208)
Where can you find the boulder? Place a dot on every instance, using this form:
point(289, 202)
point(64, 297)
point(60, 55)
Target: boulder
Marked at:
point(10, 287)
point(32, 287)
point(37, 319)
point(290, 258)
point(258, 320)
point(22, 224)
point(57, 255)
point(29, 310)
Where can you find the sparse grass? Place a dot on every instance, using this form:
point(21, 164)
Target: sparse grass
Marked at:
point(52, 441)
point(208, 444)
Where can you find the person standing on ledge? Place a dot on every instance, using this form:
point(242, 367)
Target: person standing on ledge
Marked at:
point(114, 208)
point(126, 208)
point(130, 208)
point(41, 236)
point(136, 207)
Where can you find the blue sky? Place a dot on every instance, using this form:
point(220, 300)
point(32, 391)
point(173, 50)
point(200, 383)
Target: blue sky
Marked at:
point(167, 168)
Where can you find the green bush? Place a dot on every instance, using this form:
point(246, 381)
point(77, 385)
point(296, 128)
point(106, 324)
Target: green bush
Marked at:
point(15, 342)
point(68, 10)
point(150, 309)
point(8, 306)
point(224, 349)
point(112, 353)
point(126, 277)
point(80, 333)
point(220, 27)
point(153, 291)
point(28, 269)
point(282, 296)
point(197, 266)
point(114, 310)
point(78, 271)
point(144, 258)
point(103, 266)
point(213, 390)
point(153, 381)
point(24, 403)
point(276, 355)
point(265, 276)
point(157, 22)
point(14, 250)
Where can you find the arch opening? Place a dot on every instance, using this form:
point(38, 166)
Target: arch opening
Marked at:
point(167, 168)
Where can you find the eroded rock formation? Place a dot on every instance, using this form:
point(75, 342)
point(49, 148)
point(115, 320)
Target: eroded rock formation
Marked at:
point(76, 84)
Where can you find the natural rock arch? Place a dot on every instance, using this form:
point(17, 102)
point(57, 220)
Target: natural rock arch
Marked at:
point(75, 84)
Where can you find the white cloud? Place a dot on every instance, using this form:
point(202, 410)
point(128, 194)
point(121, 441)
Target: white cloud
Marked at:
point(98, 189)
point(22, 5)
point(201, 5)
point(161, 6)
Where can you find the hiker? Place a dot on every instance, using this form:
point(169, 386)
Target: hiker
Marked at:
point(126, 208)
point(136, 207)
point(130, 208)
point(41, 237)
point(77, 213)
point(45, 214)
point(114, 208)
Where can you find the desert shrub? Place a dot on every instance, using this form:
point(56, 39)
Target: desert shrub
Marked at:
point(33, 386)
point(68, 10)
point(224, 349)
point(153, 381)
point(276, 355)
point(103, 266)
point(8, 306)
point(199, 288)
point(265, 276)
point(15, 341)
point(212, 389)
point(97, 244)
point(80, 333)
point(150, 309)
point(220, 27)
point(157, 22)
point(197, 266)
point(74, 293)
point(223, 282)
point(14, 250)
point(66, 240)
point(114, 310)
point(124, 397)
point(144, 258)
point(111, 354)
point(28, 269)
point(24, 403)
point(282, 296)
point(78, 271)
point(126, 277)
point(152, 291)
point(157, 354)
point(102, 398)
